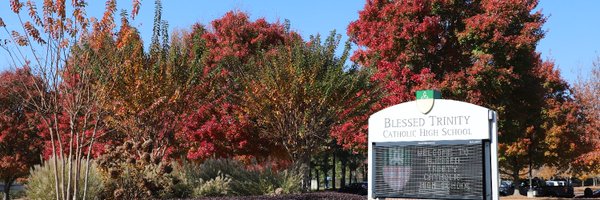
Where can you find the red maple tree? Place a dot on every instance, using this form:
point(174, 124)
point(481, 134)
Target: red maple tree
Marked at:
point(20, 144)
point(216, 126)
point(482, 52)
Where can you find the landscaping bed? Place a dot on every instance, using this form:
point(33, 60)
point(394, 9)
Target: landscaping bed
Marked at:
point(303, 196)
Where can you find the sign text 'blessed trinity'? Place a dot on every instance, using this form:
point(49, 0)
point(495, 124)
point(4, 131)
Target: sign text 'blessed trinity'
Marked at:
point(429, 126)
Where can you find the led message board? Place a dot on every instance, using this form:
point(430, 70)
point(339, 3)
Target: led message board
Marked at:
point(432, 170)
point(446, 151)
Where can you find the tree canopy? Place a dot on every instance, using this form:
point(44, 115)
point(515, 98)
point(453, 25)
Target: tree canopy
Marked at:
point(482, 52)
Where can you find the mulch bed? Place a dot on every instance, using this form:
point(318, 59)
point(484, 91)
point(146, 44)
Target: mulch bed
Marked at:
point(304, 196)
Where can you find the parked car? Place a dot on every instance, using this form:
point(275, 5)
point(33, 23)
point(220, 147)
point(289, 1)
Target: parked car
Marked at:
point(575, 182)
point(590, 182)
point(559, 189)
point(537, 185)
point(506, 188)
point(553, 188)
point(589, 193)
point(355, 188)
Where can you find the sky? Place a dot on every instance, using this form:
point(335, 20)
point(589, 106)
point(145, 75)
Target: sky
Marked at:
point(572, 39)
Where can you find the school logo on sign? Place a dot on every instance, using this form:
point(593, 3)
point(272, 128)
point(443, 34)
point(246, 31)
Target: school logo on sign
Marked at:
point(425, 100)
point(397, 170)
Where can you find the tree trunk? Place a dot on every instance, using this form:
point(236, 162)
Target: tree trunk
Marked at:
point(87, 159)
point(7, 185)
point(350, 177)
point(343, 180)
point(317, 178)
point(305, 177)
point(60, 152)
point(333, 172)
point(365, 171)
point(325, 182)
point(310, 177)
point(70, 161)
point(325, 169)
point(353, 173)
point(54, 162)
point(303, 169)
point(515, 176)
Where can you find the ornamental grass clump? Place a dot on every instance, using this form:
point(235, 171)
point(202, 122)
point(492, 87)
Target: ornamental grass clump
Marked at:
point(132, 171)
point(40, 184)
point(219, 186)
point(227, 177)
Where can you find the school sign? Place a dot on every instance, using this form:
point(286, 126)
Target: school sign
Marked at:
point(433, 148)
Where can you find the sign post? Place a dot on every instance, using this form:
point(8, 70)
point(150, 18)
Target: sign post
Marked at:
point(433, 148)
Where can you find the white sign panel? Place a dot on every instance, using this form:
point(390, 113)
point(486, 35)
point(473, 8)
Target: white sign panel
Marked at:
point(447, 120)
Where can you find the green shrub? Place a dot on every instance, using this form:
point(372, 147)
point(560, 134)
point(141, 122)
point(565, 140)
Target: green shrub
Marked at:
point(40, 184)
point(219, 186)
point(226, 177)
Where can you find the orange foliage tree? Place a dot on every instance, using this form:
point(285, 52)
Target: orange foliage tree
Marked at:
point(67, 105)
point(586, 92)
point(296, 94)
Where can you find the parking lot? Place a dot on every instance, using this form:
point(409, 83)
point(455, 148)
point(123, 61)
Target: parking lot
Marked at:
point(578, 192)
